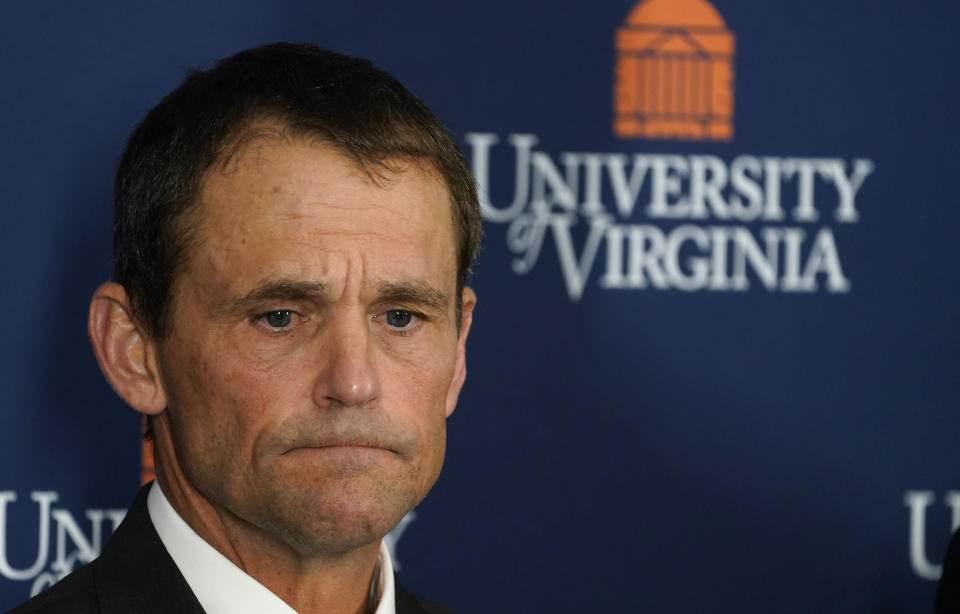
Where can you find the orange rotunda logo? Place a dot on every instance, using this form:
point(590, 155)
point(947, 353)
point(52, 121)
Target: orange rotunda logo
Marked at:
point(674, 73)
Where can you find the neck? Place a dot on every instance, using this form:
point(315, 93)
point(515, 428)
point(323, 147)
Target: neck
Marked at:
point(337, 583)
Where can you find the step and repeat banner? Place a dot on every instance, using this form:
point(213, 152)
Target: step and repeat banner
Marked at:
point(714, 364)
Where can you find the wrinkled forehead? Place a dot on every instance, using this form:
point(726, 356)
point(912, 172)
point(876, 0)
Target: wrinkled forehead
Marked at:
point(257, 158)
point(275, 189)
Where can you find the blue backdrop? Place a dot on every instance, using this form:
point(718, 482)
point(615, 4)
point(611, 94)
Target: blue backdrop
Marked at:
point(714, 362)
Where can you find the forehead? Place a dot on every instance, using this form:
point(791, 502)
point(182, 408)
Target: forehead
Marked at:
point(295, 208)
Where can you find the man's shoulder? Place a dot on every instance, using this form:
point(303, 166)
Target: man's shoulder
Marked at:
point(74, 594)
point(411, 603)
point(133, 574)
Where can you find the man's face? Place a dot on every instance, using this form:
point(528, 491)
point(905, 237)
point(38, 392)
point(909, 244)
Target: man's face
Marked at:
point(314, 355)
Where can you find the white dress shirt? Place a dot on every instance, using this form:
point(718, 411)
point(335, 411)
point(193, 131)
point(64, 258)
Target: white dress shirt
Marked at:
point(223, 588)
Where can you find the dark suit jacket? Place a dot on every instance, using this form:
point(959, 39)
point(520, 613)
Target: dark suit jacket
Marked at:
point(948, 591)
point(136, 574)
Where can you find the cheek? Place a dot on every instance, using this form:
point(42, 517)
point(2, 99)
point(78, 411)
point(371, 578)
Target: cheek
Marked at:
point(417, 389)
point(418, 382)
point(218, 405)
point(432, 460)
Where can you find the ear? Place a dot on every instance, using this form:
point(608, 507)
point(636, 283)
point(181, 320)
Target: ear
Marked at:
point(460, 367)
point(124, 351)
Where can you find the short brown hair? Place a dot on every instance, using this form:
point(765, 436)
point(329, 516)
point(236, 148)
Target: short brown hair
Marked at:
point(343, 101)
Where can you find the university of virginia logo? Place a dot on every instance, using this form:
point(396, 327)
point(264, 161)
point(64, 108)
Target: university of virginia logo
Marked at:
point(674, 72)
point(653, 221)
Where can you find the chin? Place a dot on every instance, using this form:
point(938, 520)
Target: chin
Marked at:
point(333, 521)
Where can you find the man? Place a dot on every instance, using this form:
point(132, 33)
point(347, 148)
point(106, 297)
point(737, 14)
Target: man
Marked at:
point(293, 236)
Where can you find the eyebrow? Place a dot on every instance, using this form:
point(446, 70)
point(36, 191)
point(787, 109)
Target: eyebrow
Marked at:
point(413, 292)
point(279, 290)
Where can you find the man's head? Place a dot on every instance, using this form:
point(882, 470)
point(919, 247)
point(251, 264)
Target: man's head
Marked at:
point(302, 90)
point(293, 235)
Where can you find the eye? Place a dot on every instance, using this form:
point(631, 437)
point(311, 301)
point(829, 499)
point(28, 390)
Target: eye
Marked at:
point(278, 319)
point(398, 318)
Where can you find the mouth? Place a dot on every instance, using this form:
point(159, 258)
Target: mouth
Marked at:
point(339, 458)
point(342, 448)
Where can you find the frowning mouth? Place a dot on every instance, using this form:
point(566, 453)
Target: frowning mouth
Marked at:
point(343, 457)
point(344, 447)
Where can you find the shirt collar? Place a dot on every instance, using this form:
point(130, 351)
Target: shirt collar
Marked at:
point(223, 588)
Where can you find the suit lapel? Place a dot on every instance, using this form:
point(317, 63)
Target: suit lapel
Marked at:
point(136, 574)
point(408, 603)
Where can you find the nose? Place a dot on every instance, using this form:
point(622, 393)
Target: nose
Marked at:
point(349, 376)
